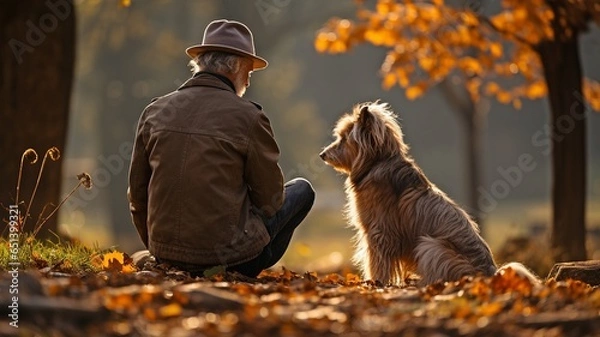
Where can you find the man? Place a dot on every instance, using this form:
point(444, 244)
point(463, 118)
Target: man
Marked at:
point(205, 186)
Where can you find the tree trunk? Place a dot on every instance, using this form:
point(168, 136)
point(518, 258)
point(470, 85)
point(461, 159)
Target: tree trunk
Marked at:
point(562, 70)
point(37, 63)
point(472, 116)
point(473, 128)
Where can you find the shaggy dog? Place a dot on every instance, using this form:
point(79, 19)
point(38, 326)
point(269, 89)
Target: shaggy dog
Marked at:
point(404, 222)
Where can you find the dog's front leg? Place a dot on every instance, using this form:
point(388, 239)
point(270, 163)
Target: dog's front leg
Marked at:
point(380, 266)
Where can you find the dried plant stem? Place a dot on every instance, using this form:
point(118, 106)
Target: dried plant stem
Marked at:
point(26, 153)
point(51, 152)
point(39, 225)
point(19, 179)
point(41, 215)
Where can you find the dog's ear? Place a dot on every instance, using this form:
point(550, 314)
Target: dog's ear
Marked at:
point(365, 117)
point(371, 124)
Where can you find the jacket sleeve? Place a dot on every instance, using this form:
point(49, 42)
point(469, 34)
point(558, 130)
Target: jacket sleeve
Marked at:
point(262, 172)
point(139, 177)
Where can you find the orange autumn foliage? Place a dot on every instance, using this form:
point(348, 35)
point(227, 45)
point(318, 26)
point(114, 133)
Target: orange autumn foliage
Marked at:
point(428, 41)
point(114, 261)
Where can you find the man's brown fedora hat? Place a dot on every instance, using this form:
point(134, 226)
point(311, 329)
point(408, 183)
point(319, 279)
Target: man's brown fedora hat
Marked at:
point(228, 36)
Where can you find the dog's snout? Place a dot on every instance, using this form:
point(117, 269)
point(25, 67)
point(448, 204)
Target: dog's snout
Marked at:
point(323, 155)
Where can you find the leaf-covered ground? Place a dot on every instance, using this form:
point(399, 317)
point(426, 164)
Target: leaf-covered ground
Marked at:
point(161, 302)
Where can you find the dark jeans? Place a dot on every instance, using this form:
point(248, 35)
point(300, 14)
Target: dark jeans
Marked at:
point(299, 198)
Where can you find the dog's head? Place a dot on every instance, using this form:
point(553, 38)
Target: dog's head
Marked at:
point(369, 134)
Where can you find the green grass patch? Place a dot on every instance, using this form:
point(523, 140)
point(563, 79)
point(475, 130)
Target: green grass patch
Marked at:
point(68, 257)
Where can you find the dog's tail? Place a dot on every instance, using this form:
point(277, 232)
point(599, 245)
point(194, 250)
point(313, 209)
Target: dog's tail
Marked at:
point(522, 271)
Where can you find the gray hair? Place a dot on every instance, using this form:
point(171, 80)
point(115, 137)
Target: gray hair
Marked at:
point(217, 62)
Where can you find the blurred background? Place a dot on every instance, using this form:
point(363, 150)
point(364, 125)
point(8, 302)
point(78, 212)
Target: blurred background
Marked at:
point(126, 56)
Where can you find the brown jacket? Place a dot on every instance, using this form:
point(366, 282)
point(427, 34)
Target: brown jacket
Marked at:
point(204, 170)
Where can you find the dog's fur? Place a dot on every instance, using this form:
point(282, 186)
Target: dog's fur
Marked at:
point(404, 222)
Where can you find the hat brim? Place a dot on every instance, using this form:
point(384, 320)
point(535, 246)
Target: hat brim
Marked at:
point(193, 51)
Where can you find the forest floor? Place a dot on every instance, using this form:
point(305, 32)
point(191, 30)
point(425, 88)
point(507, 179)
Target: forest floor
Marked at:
point(157, 301)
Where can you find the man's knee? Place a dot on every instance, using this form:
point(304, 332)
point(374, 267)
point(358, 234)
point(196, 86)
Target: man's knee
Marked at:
point(304, 188)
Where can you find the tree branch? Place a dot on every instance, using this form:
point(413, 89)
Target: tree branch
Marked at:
point(489, 22)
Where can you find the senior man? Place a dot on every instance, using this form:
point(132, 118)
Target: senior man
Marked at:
point(205, 186)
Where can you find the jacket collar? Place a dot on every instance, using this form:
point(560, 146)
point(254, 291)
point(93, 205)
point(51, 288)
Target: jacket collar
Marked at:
point(206, 79)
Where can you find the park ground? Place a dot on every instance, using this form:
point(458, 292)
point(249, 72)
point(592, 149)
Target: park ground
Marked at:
point(114, 298)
